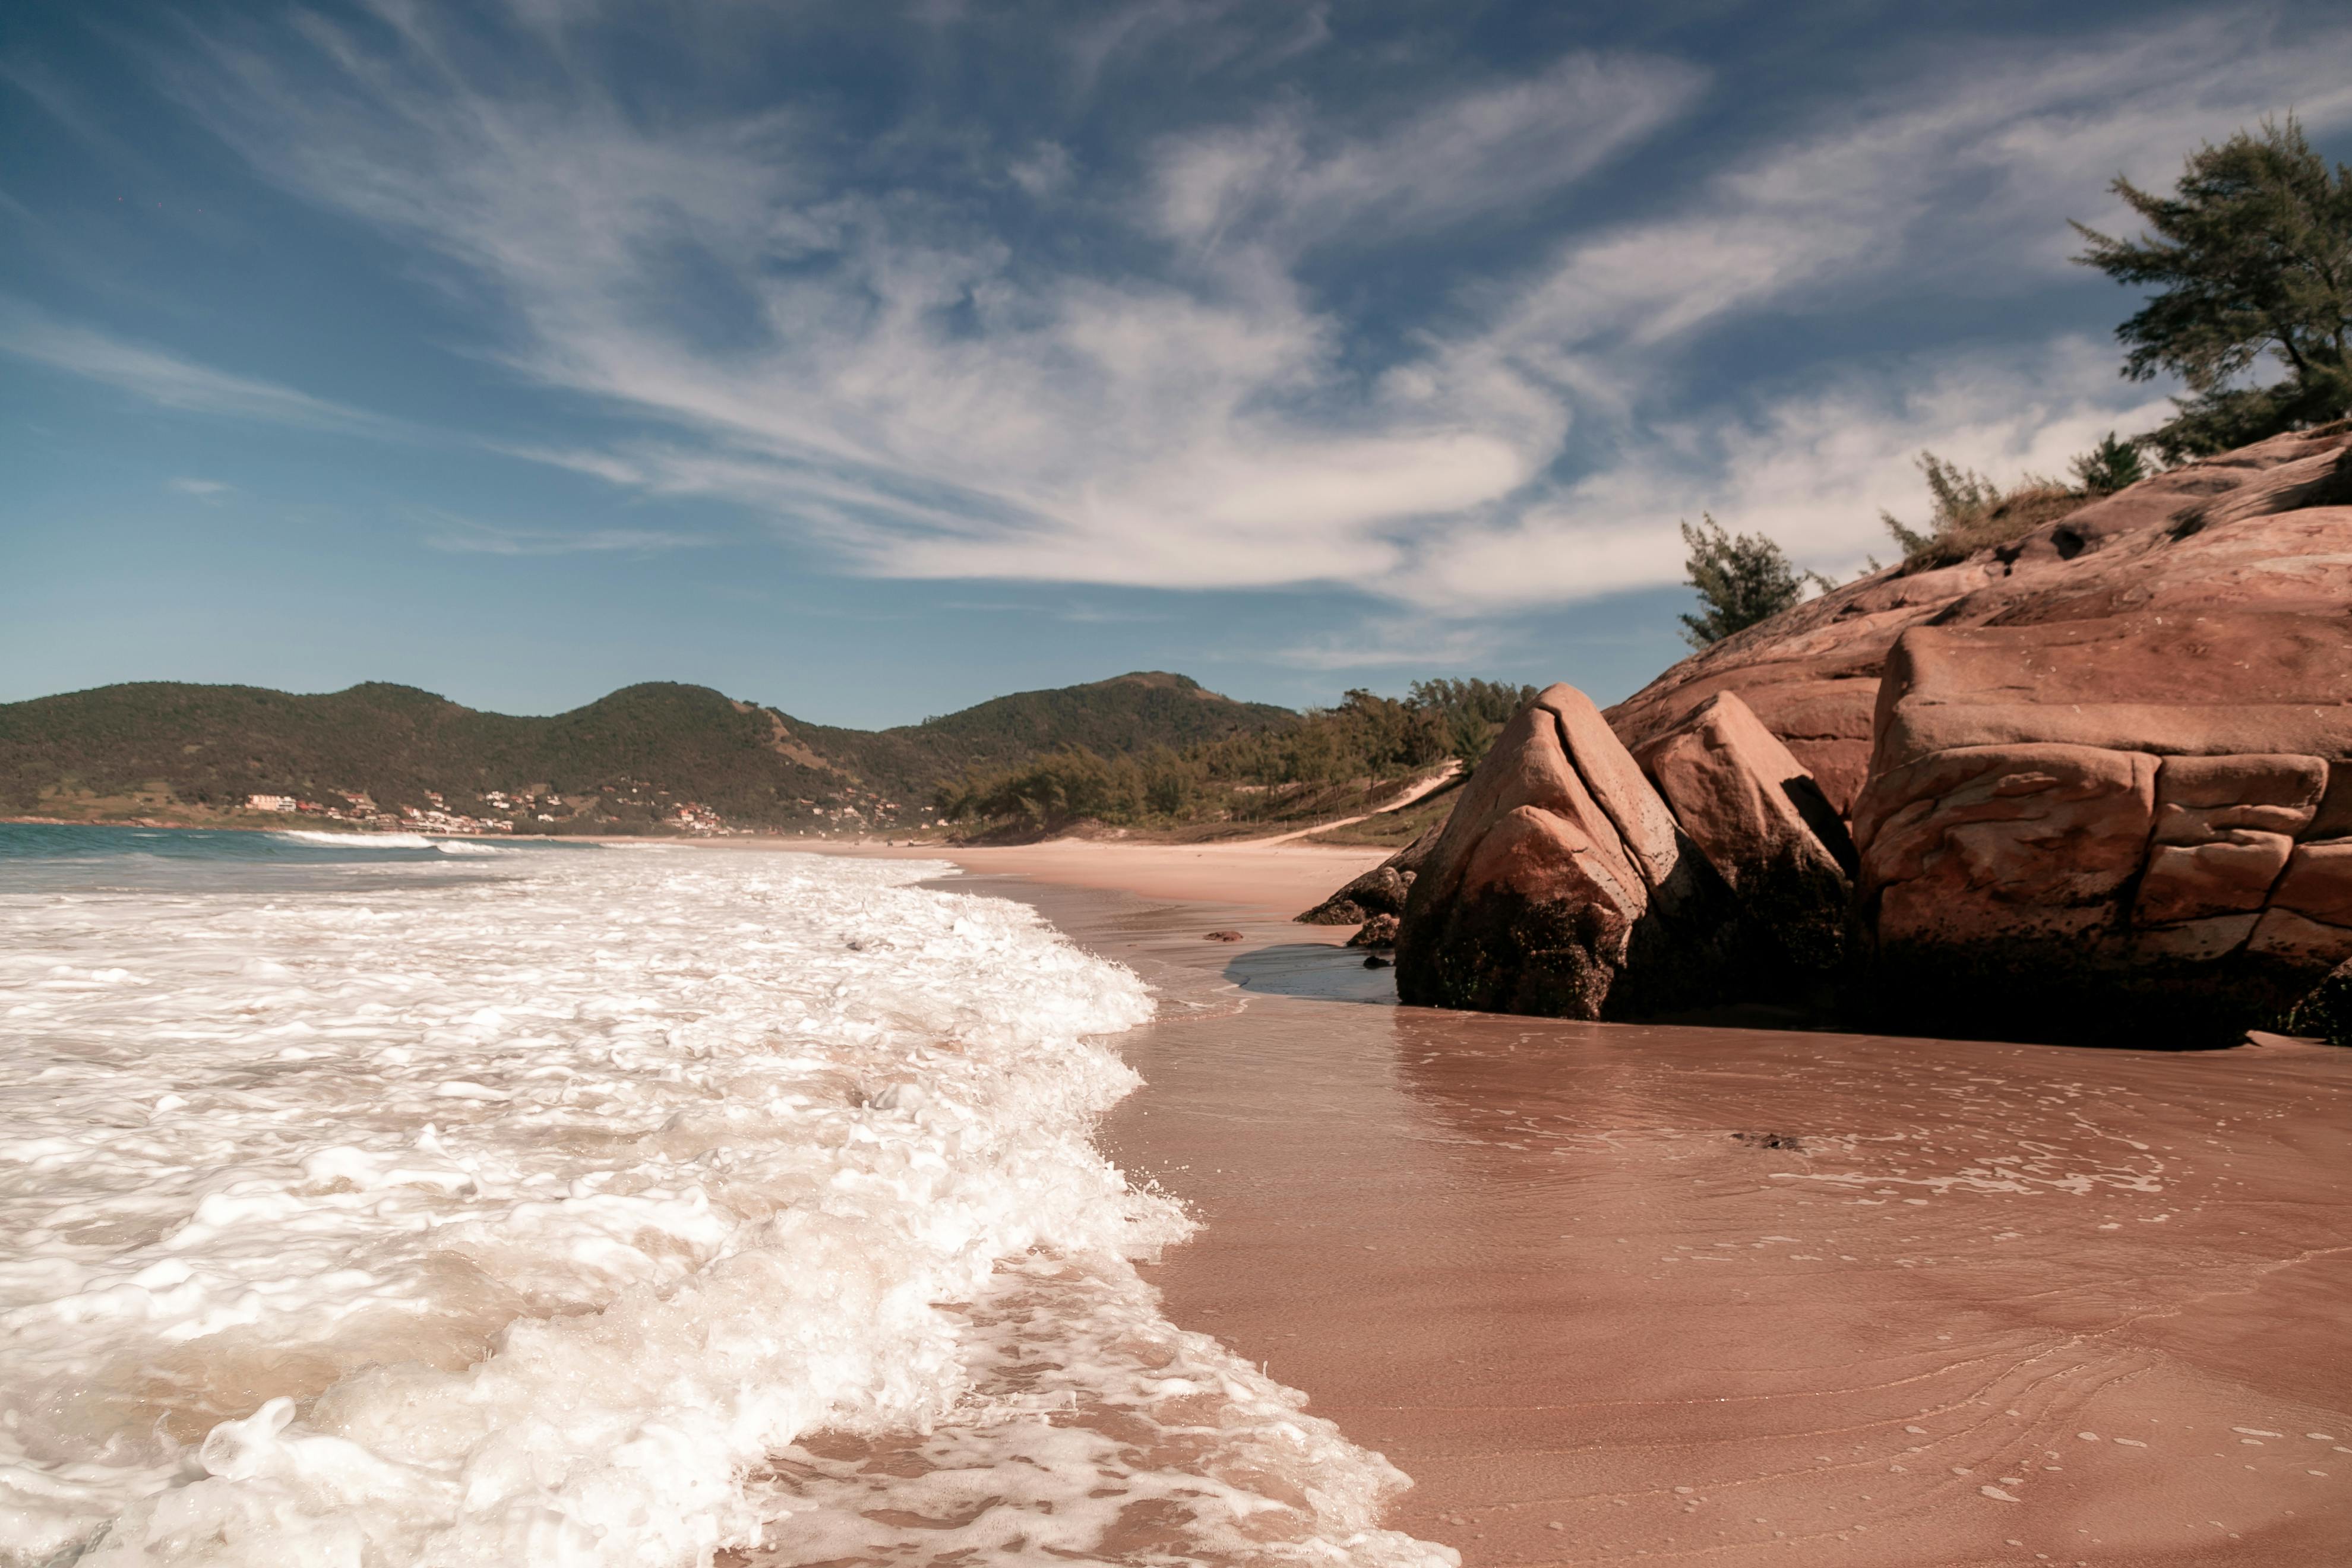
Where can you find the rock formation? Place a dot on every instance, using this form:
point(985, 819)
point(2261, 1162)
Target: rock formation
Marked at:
point(1378, 891)
point(1762, 823)
point(2264, 526)
point(2126, 827)
point(2100, 780)
point(1560, 885)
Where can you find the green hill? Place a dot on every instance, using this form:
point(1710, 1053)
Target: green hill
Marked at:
point(169, 752)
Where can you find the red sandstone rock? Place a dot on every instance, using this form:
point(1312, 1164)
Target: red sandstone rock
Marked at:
point(2306, 946)
point(1560, 885)
point(2030, 864)
point(1755, 813)
point(2265, 528)
point(2196, 683)
point(1996, 843)
point(2318, 883)
point(2225, 875)
point(2199, 798)
point(2100, 779)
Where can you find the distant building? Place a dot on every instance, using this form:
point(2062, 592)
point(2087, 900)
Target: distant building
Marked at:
point(272, 803)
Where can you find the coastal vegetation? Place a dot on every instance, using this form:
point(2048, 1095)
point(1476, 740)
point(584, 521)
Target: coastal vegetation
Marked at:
point(1969, 511)
point(1331, 761)
point(1743, 579)
point(1148, 748)
point(1740, 579)
point(2249, 265)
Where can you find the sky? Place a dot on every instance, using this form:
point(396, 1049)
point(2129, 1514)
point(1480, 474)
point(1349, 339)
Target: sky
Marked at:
point(872, 360)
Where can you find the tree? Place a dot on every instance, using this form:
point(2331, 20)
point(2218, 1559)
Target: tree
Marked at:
point(2109, 466)
point(1472, 712)
point(1741, 579)
point(2251, 258)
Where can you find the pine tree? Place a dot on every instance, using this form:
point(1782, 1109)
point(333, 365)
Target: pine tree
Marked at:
point(1741, 579)
point(2109, 466)
point(2251, 260)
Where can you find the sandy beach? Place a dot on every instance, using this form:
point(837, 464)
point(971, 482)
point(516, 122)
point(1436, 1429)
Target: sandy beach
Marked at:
point(1268, 878)
point(1617, 1292)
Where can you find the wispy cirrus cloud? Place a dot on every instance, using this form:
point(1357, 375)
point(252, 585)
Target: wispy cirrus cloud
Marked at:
point(456, 535)
point(1393, 643)
point(1811, 469)
point(1287, 185)
point(172, 381)
point(1962, 179)
point(886, 365)
point(895, 381)
point(203, 490)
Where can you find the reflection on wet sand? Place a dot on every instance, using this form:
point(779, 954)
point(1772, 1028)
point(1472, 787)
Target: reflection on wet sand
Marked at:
point(1609, 1291)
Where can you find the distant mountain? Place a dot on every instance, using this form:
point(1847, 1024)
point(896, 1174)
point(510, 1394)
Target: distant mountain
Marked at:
point(168, 751)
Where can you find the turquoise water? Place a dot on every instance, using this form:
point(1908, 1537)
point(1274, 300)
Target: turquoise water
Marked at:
point(45, 857)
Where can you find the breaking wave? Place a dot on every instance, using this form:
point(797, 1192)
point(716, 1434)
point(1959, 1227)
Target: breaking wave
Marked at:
point(601, 1212)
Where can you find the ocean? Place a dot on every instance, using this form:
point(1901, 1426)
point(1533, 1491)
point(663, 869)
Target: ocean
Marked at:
point(386, 1200)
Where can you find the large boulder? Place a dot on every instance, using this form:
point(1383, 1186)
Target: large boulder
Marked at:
point(2268, 526)
point(1561, 886)
point(1763, 824)
point(2117, 829)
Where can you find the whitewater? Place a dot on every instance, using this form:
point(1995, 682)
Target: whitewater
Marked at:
point(366, 1205)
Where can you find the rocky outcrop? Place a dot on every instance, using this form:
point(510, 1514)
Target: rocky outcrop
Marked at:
point(2265, 527)
point(2191, 682)
point(2124, 827)
point(1763, 825)
point(1378, 891)
point(2100, 784)
point(1561, 885)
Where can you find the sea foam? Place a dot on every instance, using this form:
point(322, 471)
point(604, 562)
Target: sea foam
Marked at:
point(384, 841)
point(594, 1209)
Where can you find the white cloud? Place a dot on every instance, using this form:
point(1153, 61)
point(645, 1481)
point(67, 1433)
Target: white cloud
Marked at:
point(896, 384)
point(169, 379)
point(1206, 34)
point(1812, 470)
point(203, 490)
point(1046, 170)
point(463, 536)
point(1406, 642)
point(1964, 181)
point(1281, 184)
point(876, 369)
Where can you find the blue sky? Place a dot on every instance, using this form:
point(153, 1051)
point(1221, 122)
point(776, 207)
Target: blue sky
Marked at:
point(873, 360)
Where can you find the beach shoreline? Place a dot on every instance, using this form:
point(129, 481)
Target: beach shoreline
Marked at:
point(1618, 1291)
point(1271, 878)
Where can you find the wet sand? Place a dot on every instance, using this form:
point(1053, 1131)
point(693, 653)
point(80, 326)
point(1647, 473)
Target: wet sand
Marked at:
point(1615, 1292)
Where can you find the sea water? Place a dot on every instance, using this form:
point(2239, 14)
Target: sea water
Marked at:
point(394, 1200)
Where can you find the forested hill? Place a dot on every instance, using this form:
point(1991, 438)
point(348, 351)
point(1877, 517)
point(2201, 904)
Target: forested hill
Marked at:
point(174, 753)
